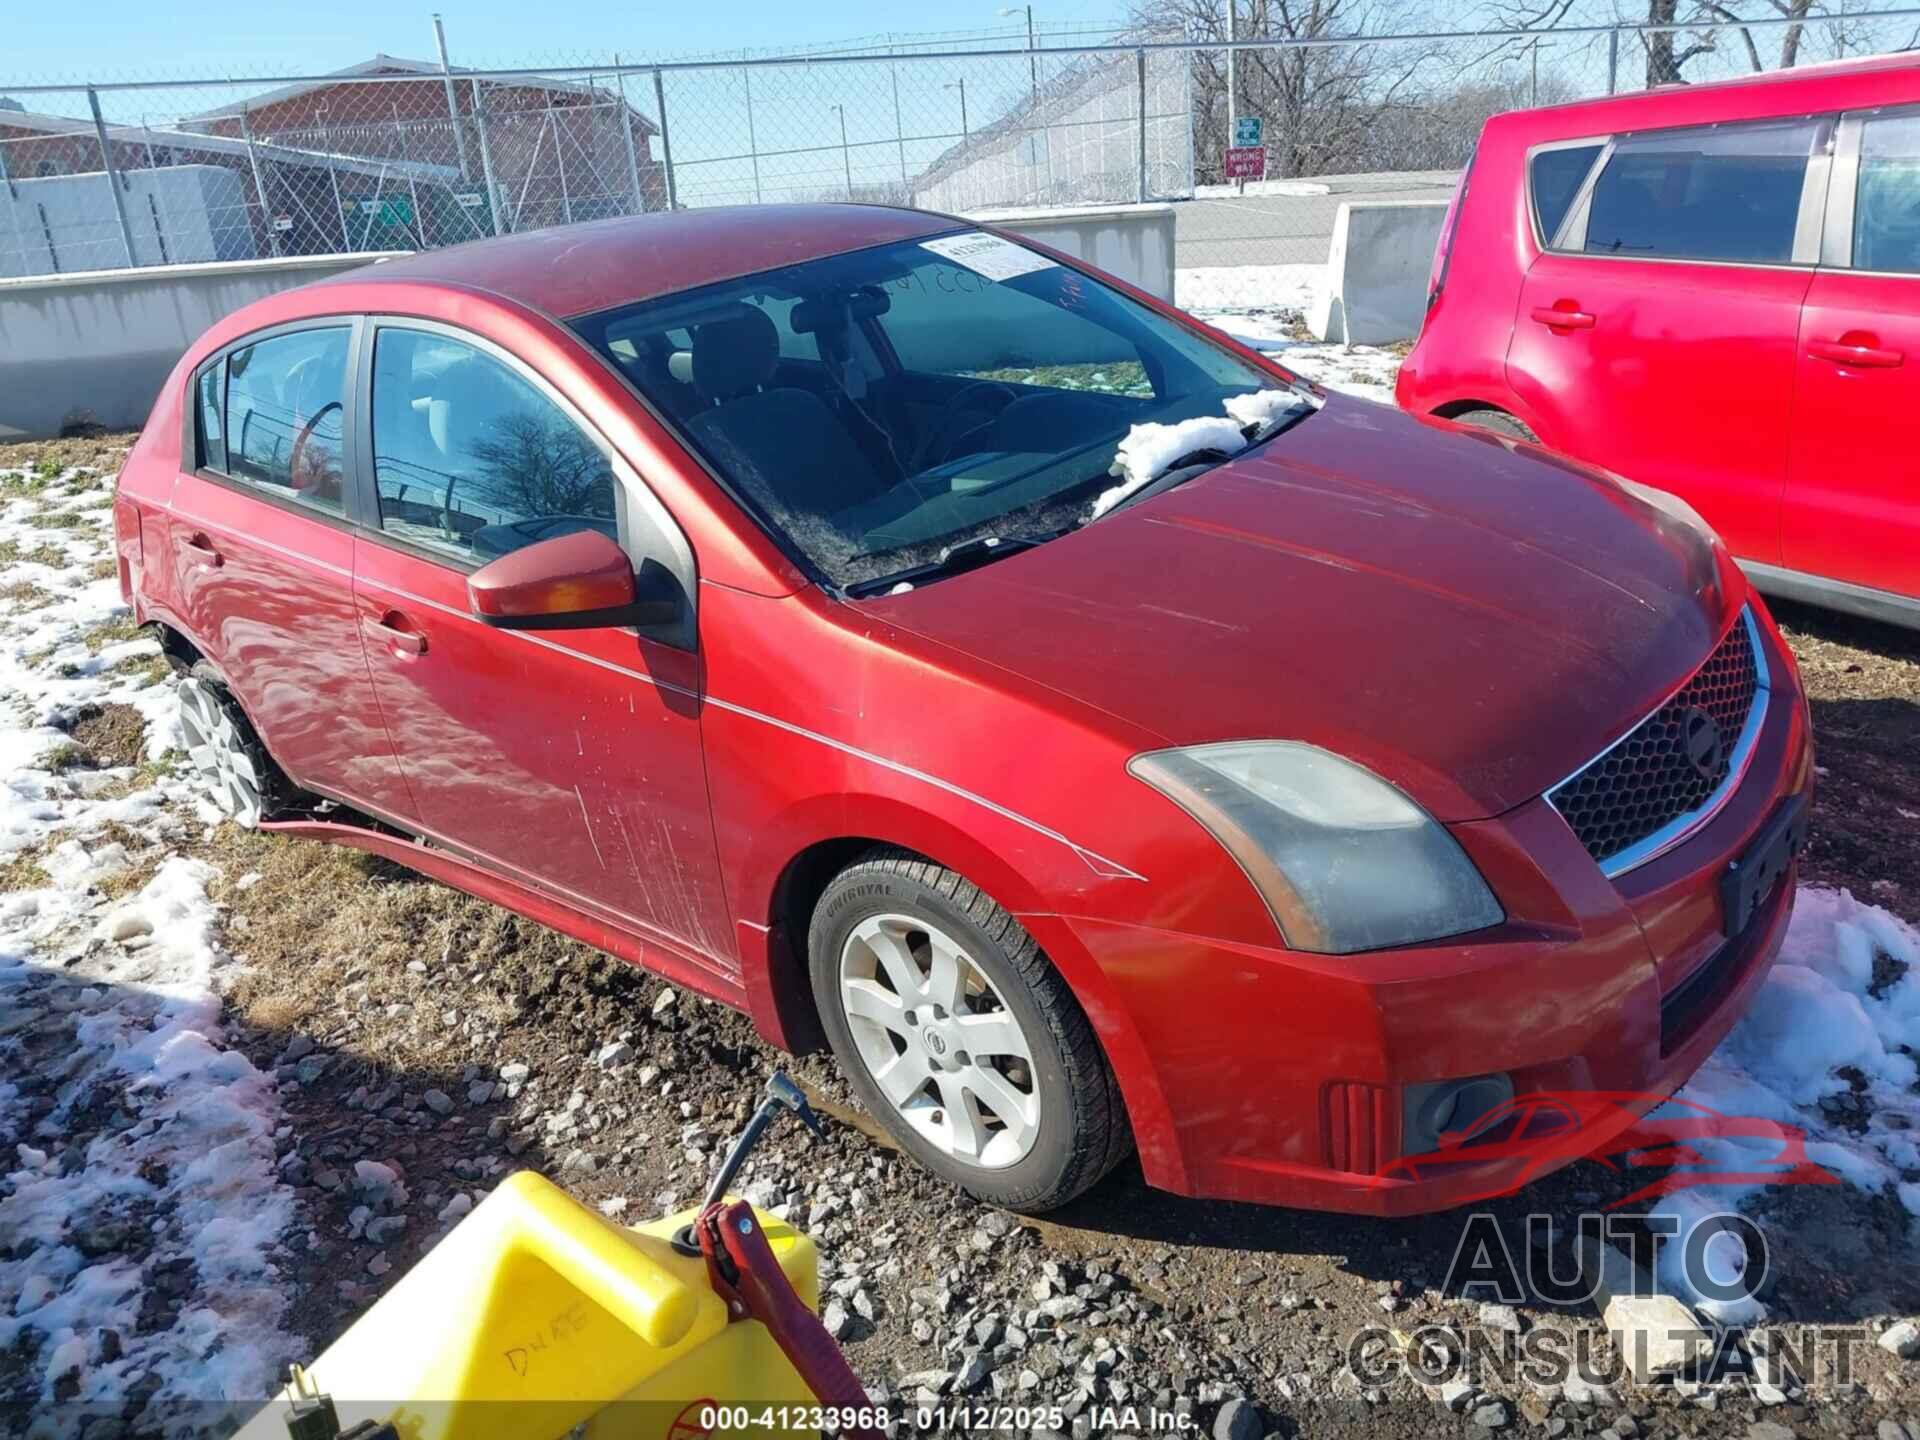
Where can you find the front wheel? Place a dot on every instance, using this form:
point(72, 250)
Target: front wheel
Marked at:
point(957, 1034)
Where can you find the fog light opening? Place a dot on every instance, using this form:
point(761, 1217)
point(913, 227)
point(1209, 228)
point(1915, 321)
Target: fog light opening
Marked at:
point(1439, 1107)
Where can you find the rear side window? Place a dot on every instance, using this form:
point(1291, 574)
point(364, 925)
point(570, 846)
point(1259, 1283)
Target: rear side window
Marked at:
point(471, 460)
point(285, 425)
point(1886, 205)
point(1556, 178)
point(1729, 193)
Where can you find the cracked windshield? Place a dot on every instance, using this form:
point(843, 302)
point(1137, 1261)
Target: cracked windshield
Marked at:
point(898, 410)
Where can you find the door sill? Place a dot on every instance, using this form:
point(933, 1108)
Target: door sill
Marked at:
point(1882, 605)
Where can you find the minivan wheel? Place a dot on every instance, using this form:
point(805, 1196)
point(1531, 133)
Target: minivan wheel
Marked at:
point(226, 754)
point(960, 1037)
point(1498, 421)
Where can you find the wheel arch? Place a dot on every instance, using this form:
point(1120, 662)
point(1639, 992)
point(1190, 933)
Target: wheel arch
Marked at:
point(774, 959)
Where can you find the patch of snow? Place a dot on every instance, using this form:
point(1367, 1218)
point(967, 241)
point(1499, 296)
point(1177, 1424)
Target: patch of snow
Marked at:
point(1815, 1013)
point(145, 1152)
point(1149, 451)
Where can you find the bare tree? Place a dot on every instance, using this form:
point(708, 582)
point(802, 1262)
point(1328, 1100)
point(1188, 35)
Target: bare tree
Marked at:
point(532, 467)
point(1320, 101)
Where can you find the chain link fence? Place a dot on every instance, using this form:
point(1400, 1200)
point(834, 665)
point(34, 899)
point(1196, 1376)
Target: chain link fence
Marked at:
point(401, 154)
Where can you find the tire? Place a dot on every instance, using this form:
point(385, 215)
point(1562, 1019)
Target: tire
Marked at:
point(1499, 422)
point(1052, 1122)
point(226, 753)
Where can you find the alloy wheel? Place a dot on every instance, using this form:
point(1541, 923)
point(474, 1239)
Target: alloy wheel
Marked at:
point(218, 751)
point(939, 1041)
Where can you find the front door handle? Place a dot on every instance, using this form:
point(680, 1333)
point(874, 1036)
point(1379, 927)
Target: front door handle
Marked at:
point(1866, 357)
point(203, 550)
point(1562, 319)
point(396, 630)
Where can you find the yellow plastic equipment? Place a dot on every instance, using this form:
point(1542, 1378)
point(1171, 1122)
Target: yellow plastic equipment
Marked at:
point(535, 1315)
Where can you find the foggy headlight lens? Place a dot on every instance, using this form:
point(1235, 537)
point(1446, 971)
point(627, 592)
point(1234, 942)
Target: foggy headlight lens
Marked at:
point(1344, 861)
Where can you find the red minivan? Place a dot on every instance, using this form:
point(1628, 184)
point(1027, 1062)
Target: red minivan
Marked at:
point(1714, 290)
point(914, 637)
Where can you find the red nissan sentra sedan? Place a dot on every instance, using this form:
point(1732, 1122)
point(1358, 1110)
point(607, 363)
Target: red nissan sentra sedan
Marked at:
point(1712, 289)
point(908, 634)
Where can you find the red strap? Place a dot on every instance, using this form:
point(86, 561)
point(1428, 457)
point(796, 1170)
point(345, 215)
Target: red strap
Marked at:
point(745, 1273)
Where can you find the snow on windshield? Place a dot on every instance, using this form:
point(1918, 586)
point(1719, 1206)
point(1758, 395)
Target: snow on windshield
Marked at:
point(1149, 451)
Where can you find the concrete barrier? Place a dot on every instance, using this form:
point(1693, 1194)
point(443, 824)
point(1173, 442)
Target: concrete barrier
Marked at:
point(1376, 288)
point(1134, 242)
point(97, 346)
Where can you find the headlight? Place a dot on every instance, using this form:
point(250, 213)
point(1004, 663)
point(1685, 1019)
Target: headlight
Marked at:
point(1344, 861)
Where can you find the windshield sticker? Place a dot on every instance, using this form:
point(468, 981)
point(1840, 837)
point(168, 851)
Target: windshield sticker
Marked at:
point(988, 255)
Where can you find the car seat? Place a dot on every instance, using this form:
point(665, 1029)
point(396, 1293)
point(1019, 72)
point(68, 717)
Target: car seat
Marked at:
point(784, 444)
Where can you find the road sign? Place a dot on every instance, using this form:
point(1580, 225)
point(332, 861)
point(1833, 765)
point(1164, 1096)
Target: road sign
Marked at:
point(1247, 131)
point(1246, 162)
point(468, 199)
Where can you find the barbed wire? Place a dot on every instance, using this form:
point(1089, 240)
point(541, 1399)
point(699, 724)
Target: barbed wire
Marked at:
point(413, 152)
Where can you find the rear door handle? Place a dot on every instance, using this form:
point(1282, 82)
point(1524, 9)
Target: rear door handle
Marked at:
point(394, 629)
point(1563, 319)
point(1869, 357)
point(203, 549)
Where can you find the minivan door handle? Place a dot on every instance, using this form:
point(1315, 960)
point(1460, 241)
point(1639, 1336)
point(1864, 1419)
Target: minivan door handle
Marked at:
point(1864, 356)
point(396, 630)
point(1562, 319)
point(202, 549)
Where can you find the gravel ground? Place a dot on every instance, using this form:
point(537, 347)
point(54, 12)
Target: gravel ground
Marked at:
point(422, 1044)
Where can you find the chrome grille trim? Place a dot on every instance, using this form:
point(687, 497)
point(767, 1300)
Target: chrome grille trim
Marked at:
point(1680, 826)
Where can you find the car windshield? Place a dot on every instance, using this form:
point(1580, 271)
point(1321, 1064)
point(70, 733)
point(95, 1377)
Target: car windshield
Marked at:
point(893, 409)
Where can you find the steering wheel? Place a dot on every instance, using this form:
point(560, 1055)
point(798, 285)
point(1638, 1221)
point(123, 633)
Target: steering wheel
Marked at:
point(300, 445)
point(938, 443)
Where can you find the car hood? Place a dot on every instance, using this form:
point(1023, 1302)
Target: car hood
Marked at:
point(1467, 617)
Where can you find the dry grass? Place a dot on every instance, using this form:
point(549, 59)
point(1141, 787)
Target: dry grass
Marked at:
point(117, 631)
point(23, 872)
point(49, 458)
point(111, 735)
point(25, 593)
point(328, 934)
point(107, 569)
point(61, 520)
point(12, 552)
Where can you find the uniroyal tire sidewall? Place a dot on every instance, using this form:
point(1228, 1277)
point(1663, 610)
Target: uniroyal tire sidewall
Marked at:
point(861, 894)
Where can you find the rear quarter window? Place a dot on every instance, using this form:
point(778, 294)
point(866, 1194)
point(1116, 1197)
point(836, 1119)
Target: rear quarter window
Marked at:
point(1555, 176)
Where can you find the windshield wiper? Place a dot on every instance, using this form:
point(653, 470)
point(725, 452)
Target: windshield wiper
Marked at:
point(1184, 469)
point(967, 555)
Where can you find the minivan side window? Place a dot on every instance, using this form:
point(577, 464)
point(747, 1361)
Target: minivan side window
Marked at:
point(1886, 204)
point(1725, 193)
point(1556, 176)
point(470, 459)
point(285, 426)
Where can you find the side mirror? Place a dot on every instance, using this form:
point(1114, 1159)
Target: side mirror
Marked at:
point(573, 582)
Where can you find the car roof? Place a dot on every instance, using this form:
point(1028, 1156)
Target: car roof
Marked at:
point(577, 269)
point(1828, 86)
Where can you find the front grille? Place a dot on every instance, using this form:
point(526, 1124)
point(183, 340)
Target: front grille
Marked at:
point(1646, 788)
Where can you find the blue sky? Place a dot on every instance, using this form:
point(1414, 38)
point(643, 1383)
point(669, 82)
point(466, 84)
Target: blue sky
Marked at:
point(191, 37)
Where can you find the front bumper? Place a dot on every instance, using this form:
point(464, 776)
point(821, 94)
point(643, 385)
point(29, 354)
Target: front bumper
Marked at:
point(1266, 1075)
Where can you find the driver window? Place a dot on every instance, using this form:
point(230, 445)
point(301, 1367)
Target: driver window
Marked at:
point(285, 431)
point(471, 460)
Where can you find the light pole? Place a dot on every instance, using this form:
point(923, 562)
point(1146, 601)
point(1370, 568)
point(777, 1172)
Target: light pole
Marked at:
point(961, 86)
point(1033, 61)
point(1231, 98)
point(846, 160)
